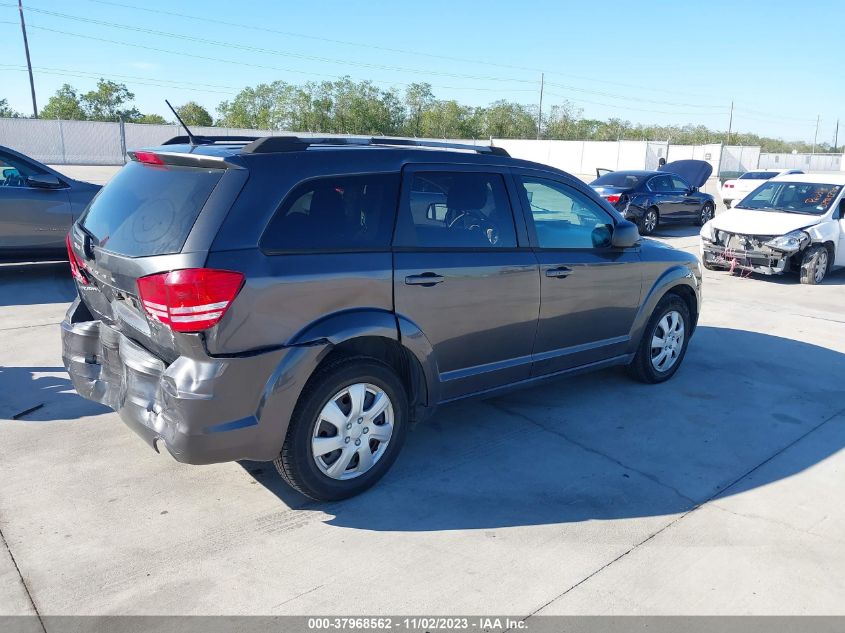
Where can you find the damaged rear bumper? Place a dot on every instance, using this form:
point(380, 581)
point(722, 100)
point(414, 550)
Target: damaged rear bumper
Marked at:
point(202, 410)
point(766, 263)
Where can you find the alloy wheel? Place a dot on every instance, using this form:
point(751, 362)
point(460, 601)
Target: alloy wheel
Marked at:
point(667, 341)
point(650, 221)
point(821, 266)
point(352, 431)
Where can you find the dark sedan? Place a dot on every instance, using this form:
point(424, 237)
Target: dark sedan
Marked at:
point(37, 207)
point(652, 198)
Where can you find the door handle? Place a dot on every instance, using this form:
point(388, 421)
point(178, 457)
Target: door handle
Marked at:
point(424, 279)
point(560, 271)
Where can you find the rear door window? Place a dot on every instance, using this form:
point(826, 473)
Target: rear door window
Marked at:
point(149, 209)
point(337, 213)
point(454, 209)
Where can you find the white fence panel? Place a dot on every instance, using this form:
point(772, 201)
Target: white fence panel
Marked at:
point(807, 162)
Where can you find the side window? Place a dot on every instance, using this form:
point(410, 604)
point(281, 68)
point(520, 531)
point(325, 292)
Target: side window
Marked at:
point(13, 173)
point(679, 184)
point(452, 209)
point(341, 213)
point(660, 183)
point(564, 217)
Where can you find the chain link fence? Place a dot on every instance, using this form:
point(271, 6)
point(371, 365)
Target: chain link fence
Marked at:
point(98, 143)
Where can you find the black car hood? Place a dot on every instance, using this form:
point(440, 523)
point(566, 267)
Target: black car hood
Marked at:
point(695, 172)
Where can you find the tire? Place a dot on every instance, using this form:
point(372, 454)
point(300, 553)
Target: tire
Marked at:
point(367, 379)
point(643, 367)
point(728, 203)
point(649, 221)
point(706, 214)
point(814, 265)
point(708, 265)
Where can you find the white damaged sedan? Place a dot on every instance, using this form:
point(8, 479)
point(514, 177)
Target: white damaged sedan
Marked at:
point(793, 222)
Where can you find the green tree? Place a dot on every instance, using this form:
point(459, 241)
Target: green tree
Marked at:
point(193, 113)
point(65, 104)
point(505, 119)
point(111, 101)
point(6, 111)
point(151, 119)
point(418, 99)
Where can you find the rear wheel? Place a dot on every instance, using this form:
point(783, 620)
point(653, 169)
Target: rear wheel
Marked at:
point(814, 265)
point(649, 221)
point(346, 431)
point(706, 214)
point(664, 343)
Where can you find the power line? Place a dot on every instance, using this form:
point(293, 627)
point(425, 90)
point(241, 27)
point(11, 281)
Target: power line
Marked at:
point(347, 62)
point(484, 62)
point(248, 64)
point(626, 108)
point(134, 81)
point(269, 51)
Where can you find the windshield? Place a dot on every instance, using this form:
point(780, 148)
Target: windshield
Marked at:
point(148, 209)
point(793, 197)
point(618, 179)
point(758, 175)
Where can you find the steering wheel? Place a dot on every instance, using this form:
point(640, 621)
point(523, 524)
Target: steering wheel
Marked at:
point(477, 221)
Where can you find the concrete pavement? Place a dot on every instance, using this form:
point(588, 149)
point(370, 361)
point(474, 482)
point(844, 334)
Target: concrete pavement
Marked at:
point(717, 492)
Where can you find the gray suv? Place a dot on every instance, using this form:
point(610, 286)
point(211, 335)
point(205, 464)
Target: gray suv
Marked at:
point(306, 300)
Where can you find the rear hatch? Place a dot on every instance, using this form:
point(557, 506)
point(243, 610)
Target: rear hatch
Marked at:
point(158, 215)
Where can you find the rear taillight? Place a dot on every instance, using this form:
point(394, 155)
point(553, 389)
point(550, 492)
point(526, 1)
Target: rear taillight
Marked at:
point(76, 266)
point(613, 198)
point(149, 158)
point(728, 185)
point(189, 300)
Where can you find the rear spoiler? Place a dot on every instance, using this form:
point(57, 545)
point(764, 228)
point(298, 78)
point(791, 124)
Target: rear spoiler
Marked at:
point(181, 159)
point(209, 140)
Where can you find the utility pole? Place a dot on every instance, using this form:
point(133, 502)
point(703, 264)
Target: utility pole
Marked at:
point(28, 62)
point(836, 137)
point(816, 137)
point(730, 123)
point(540, 110)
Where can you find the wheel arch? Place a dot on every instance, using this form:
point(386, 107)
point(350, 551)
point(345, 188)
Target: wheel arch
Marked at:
point(679, 280)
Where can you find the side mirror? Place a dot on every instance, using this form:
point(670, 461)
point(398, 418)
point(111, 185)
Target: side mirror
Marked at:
point(625, 235)
point(44, 181)
point(842, 209)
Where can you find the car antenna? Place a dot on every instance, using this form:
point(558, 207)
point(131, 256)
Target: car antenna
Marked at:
point(191, 138)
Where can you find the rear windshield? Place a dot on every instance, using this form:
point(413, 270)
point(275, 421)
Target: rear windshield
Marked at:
point(149, 209)
point(618, 179)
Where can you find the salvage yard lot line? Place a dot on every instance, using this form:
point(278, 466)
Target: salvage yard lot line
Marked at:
point(27, 327)
point(715, 495)
point(5, 546)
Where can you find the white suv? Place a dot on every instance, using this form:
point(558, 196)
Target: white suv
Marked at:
point(791, 222)
point(738, 188)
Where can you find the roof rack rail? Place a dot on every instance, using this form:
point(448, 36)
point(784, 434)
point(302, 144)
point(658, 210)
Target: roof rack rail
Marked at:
point(210, 140)
point(272, 144)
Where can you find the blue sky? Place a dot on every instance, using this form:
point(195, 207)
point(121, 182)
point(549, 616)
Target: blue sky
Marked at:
point(651, 62)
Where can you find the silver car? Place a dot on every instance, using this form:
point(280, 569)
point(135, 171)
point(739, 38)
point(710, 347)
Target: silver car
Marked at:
point(37, 207)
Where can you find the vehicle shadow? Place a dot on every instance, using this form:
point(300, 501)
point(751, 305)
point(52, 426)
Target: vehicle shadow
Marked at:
point(676, 230)
point(42, 394)
point(601, 446)
point(35, 283)
point(833, 278)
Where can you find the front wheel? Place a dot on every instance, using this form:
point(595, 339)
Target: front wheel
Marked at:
point(814, 265)
point(706, 214)
point(664, 343)
point(346, 430)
